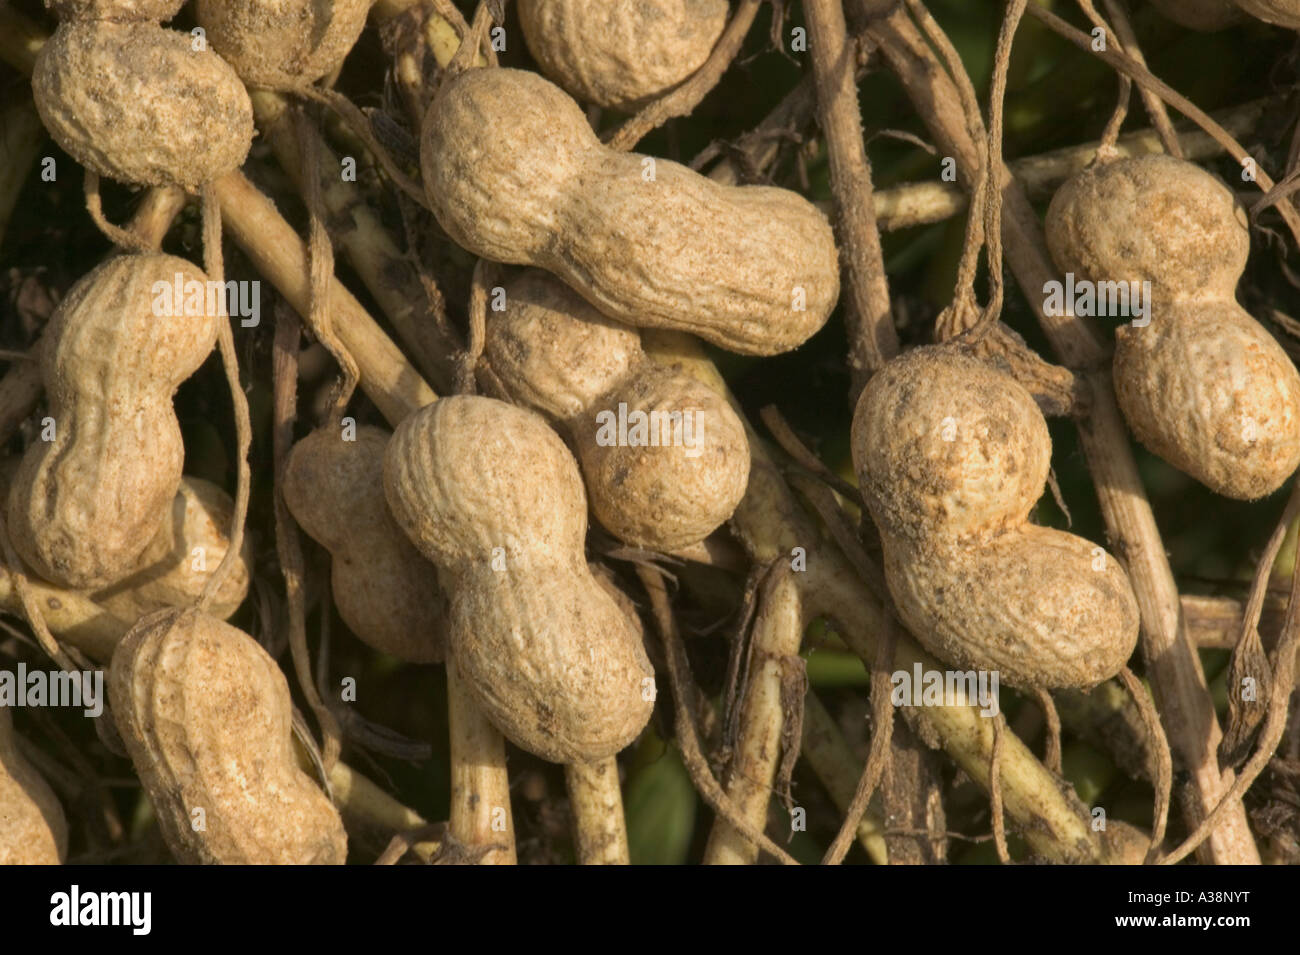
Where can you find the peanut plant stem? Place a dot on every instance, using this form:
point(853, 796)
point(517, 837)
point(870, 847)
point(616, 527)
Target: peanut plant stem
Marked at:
point(778, 632)
point(1175, 670)
point(872, 339)
point(596, 802)
point(480, 794)
point(838, 769)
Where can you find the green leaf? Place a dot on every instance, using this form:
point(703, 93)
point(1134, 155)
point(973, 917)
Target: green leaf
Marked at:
point(660, 803)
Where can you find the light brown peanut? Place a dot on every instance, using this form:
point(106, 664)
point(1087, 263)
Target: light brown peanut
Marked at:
point(271, 42)
point(665, 487)
point(620, 55)
point(205, 714)
point(32, 828)
point(1202, 385)
point(492, 496)
point(514, 173)
point(385, 591)
point(951, 456)
point(137, 103)
point(177, 563)
point(85, 505)
point(1284, 13)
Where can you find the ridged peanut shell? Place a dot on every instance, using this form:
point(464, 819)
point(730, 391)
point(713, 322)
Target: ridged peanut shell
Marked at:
point(136, 103)
point(1283, 13)
point(546, 651)
point(171, 573)
point(553, 351)
point(83, 507)
point(1029, 603)
point(205, 714)
point(269, 41)
point(620, 55)
point(944, 444)
point(1150, 218)
point(514, 173)
point(385, 591)
point(1210, 391)
point(121, 10)
point(674, 495)
point(32, 828)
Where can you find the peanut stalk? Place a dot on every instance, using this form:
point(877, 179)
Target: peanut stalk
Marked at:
point(596, 801)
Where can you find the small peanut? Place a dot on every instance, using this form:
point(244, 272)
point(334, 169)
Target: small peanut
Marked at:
point(32, 828)
point(176, 565)
point(665, 487)
point(514, 173)
point(84, 506)
point(620, 55)
point(1202, 385)
point(269, 42)
point(386, 593)
point(492, 496)
point(205, 715)
point(951, 456)
point(137, 103)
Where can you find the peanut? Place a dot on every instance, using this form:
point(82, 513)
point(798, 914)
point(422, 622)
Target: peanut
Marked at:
point(205, 715)
point(177, 563)
point(137, 103)
point(32, 828)
point(620, 55)
point(684, 477)
point(84, 506)
point(514, 173)
point(1203, 385)
point(269, 42)
point(492, 496)
point(385, 591)
point(1284, 13)
point(951, 456)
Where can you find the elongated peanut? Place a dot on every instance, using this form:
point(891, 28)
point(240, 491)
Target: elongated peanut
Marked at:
point(952, 456)
point(665, 458)
point(491, 495)
point(137, 103)
point(1202, 385)
point(182, 556)
point(385, 591)
point(514, 173)
point(269, 42)
point(32, 828)
point(205, 715)
point(84, 506)
point(620, 54)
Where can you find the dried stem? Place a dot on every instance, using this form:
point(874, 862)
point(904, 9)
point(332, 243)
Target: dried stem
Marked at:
point(872, 339)
point(596, 802)
point(882, 725)
point(834, 763)
point(1154, 106)
point(764, 721)
point(480, 793)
